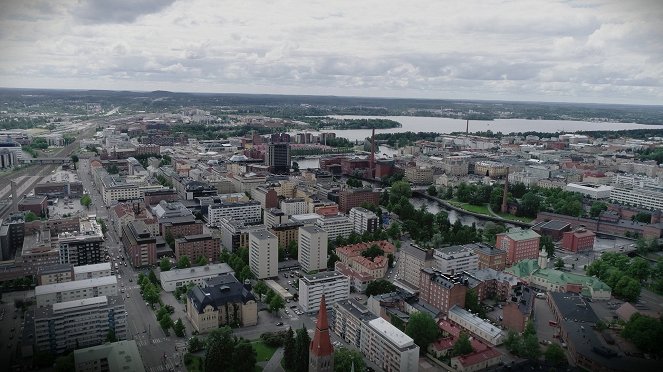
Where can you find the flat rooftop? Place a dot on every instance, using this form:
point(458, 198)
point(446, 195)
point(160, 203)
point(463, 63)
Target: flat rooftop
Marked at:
point(479, 323)
point(195, 272)
point(104, 266)
point(75, 285)
point(390, 332)
point(262, 234)
point(120, 355)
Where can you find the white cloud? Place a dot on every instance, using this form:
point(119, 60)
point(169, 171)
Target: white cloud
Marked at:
point(584, 50)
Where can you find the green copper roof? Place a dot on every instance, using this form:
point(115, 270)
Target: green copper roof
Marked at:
point(523, 268)
point(526, 268)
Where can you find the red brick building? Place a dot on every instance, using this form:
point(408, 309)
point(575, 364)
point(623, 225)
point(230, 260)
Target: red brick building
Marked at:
point(139, 244)
point(519, 245)
point(35, 204)
point(153, 197)
point(489, 256)
point(441, 290)
point(194, 246)
point(578, 240)
point(181, 229)
point(348, 199)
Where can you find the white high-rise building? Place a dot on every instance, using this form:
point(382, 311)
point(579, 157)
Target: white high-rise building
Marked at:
point(388, 347)
point(456, 259)
point(313, 244)
point(335, 225)
point(334, 285)
point(249, 212)
point(363, 220)
point(293, 206)
point(50, 294)
point(263, 254)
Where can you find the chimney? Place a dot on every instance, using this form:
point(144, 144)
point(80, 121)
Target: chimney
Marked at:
point(372, 174)
point(467, 127)
point(505, 207)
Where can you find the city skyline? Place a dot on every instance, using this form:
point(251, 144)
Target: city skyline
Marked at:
point(599, 51)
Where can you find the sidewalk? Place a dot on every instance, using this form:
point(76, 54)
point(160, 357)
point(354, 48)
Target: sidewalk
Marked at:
point(274, 364)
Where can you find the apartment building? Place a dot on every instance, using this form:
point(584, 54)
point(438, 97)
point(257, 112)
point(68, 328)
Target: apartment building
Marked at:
point(519, 244)
point(578, 240)
point(286, 232)
point(334, 285)
point(117, 356)
point(50, 294)
point(80, 323)
point(263, 254)
point(412, 260)
point(489, 256)
point(139, 244)
point(235, 235)
point(313, 245)
point(293, 206)
point(58, 273)
point(441, 290)
point(388, 347)
point(338, 225)
point(92, 271)
point(363, 220)
point(490, 169)
point(83, 247)
point(419, 175)
point(455, 165)
point(201, 245)
point(246, 212)
point(456, 259)
point(174, 278)
point(476, 326)
point(348, 318)
point(274, 216)
point(223, 300)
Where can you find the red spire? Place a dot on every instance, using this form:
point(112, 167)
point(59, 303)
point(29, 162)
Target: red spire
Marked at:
point(321, 344)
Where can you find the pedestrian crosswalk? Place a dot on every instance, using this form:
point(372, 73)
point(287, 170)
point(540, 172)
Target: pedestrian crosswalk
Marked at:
point(144, 341)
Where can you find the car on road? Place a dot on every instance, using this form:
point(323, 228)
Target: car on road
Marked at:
point(279, 323)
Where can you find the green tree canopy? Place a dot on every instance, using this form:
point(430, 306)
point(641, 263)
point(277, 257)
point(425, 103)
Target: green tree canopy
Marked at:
point(165, 265)
point(423, 330)
point(645, 332)
point(345, 358)
point(183, 262)
point(220, 348)
point(31, 216)
point(379, 286)
point(179, 328)
point(302, 343)
point(276, 303)
point(548, 246)
point(597, 208)
point(555, 355)
point(462, 346)
point(289, 350)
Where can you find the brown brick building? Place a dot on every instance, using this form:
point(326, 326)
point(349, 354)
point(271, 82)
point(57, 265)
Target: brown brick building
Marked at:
point(153, 197)
point(35, 204)
point(441, 290)
point(578, 240)
point(348, 199)
point(489, 256)
point(180, 229)
point(286, 232)
point(194, 246)
point(139, 244)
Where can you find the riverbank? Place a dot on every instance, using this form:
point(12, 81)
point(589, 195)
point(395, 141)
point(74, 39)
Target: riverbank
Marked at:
point(475, 213)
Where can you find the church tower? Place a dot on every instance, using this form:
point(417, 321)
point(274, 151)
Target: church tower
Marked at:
point(543, 259)
point(321, 352)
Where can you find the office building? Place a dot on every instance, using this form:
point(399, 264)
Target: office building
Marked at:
point(277, 156)
point(235, 235)
point(286, 232)
point(348, 318)
point(12, 233)
point(441, 290)
point(388, 347)
point(175, 278)
point(139, 244)
point(335, 287)
point(519, 245)
point(58, 273)
point(363, 220)
point(456, 259)
point(419, 175)
point(50, 294)
point(313, 243)
point(80, 323)
point(590, 190)
point(274, 216)
point(120, 356)
point(637, 191)
point(195, 246)
point(263, 254)
point(223, 300)
point(348, 199)
point(83, 247)
point(491, 169)
point(578, 240)
point(293, 206)
point(266, 196)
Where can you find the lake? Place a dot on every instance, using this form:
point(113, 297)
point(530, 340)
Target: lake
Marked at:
point(448, 125)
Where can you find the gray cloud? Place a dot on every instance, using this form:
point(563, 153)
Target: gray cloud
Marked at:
point(117, 11)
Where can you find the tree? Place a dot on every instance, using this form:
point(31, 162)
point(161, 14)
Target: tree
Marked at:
point(596, 209)
point(276, 304)
point(645, 332)
point(153, 277)
point(179, 328)
point(302, 343)
point(353, 182)
point(110, 337)
point(295, 166)
point(260, 289)
point(165, 265)
point(394, 230)
point(292, 249)
point(548, 246)
point(289, 350)
point(530, 347)
point(423, 330)
point(345, 358)
point(559, 263)
point(462, 346)
point(170, 240)
point(373, 251)
point(331, 261)
point(472, 303)
point(555, 355)
point(245, 273)
point(31, 216)
point(166, 322)
point(183, 262)
point(202, 261)
point(639, 269)
point(379, 286)
point(74, 159)
point(530, 204)
point(432, 190)
point(220, 345)
point(244, 356)
point(194, 345)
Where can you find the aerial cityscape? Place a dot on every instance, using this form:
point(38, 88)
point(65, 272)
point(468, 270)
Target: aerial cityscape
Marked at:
point(183, 188)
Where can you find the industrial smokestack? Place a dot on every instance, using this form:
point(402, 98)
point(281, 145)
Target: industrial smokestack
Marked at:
point(467, 127)
point(372, 175)
point(505, 206)
point(14, 197)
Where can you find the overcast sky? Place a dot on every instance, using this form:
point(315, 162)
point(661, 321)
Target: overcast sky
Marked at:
point(579, 51)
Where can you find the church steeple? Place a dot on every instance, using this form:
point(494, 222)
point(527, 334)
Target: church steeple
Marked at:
point(321, 352)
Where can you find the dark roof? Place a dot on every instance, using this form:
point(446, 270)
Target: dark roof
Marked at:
point(418, 252)
point(574, 308)
point(486, 249)
point(219, 291)
point(555, 225)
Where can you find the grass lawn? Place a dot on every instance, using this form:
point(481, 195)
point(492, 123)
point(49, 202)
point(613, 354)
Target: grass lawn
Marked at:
point(195, 364)
point(482, 209)
point(264, 352)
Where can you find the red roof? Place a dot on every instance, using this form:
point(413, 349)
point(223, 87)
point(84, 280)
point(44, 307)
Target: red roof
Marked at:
point(477, 357)
point(321, 344)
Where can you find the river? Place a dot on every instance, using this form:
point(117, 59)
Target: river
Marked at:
point(448, 125)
